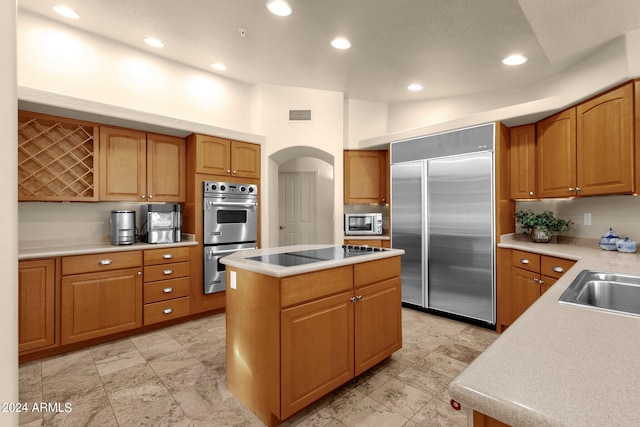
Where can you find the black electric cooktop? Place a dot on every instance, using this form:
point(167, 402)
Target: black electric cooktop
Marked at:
point(290, 259)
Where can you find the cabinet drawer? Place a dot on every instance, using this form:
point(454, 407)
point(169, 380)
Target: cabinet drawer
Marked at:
point(375, 271)
point(167, 271)
point(166, 289)
point(166, 310)
point(555, 267)
point(166, 255)
point(100, 262)
point(526, 260)
point(306, 287)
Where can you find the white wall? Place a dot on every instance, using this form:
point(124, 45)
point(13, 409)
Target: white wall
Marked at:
point(9, 197)
point(364, 120)
point(324, 132)
point(60, 59)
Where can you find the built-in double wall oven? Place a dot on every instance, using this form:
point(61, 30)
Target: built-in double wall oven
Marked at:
point(230, 225)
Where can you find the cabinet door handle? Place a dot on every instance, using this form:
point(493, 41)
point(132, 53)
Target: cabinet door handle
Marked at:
point(578, 189)
point(234, 172)
point(535, 279)
point(541, 282)
point(143, 196)
point(105, 262)
point(557, 269)
point(531, 193)
point(167, 290)
point(524, 261)
point(167, 310)
point(228, 170)
point(359, 297)
point(150, 196)
point(353, 299)
point(167, 256)
point(167, 272)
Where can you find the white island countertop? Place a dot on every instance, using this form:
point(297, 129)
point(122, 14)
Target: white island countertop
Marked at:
point(240, 260)
point(558, 364)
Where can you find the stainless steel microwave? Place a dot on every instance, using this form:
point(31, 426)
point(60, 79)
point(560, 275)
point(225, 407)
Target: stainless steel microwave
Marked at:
point(363, 224)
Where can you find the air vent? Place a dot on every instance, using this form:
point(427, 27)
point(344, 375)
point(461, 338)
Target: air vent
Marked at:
point(299, 115)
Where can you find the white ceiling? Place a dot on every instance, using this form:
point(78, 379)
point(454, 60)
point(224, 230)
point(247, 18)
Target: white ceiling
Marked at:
point(452, 47)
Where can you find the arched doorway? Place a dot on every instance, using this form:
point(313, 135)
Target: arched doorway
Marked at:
point(301, 208)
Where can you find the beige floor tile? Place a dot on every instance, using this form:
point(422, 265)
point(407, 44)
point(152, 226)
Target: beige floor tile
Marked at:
point(176, 377)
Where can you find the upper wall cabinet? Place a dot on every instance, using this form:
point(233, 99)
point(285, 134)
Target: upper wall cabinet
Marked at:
point(605, 147)
point(588, 150)
point(522, 150)
point(223, 157)
point(57, 159)
point(135, 166)
point(556, 155)
point(365, 177)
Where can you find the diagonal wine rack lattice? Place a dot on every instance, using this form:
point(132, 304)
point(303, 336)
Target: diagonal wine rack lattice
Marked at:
point(56, 159)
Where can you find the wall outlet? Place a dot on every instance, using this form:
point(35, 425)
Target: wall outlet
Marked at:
point(587, 219)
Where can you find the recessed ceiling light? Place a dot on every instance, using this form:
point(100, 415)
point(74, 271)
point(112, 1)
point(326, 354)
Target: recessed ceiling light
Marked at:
point(516, 59)
point(279, 7)
point(415, 87)
point(341, 43)
point(218, 66)
point(151, 41)
point(66, 11)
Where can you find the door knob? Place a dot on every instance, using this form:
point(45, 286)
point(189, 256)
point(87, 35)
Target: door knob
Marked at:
point(282, 227)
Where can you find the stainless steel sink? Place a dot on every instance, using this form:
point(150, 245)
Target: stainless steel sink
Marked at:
point(618, 293)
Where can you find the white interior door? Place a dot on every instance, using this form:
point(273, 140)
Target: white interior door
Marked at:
point(296, 208)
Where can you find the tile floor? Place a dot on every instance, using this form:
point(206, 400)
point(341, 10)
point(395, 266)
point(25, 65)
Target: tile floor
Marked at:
point(176, 377)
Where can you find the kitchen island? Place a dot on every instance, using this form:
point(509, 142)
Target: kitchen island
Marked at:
point(303, 320)
point(559, 364)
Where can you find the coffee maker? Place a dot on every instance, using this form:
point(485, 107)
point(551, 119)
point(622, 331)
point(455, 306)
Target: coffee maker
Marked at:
point(123, 227)
point(161, 223)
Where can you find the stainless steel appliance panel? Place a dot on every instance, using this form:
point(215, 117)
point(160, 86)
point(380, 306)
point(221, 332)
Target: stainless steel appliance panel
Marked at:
point(215, 279)
point(459, 215)
point(408, 228)
point(123, 227)
point(228, 220)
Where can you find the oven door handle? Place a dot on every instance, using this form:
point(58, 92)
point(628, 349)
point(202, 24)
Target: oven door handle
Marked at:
point(212, 203)
point(211, 252)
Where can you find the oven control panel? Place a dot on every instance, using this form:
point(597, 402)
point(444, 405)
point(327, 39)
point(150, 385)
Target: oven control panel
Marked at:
point(218, 187)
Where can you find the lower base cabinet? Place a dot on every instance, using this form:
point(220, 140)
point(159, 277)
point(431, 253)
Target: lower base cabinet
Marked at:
point(36, 302)
point(103, 296)
point(291, 341)
point(482, 420)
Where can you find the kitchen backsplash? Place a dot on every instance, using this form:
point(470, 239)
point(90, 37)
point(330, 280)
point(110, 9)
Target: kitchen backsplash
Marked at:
point(622, 213)
point(50, 221)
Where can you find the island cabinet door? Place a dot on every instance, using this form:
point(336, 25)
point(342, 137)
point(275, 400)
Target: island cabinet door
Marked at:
point(316, 350)
point(378, 323)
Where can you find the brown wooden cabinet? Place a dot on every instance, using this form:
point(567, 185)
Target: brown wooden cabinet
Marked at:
point(376, 243)
point(36, 305)
point(223, 157)
point(366, 177)
point(523, 162)
point(135, 166)
point(57, 158)
point(311, 333)
point(522, 278)
point(556, 155)
point(605, 143)
point(166, 284)
point(101, 295)
point(588, 150)
point(482, 420)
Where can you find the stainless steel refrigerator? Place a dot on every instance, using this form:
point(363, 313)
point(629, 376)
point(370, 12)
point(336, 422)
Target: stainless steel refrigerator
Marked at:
point(442, 215)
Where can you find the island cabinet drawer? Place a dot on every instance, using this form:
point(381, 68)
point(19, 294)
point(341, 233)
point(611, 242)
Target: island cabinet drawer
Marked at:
point(310, 286)
point(166, 310)
point(166, 255)
point(79, 264)
point(375, 271)
point(166, 289)
point(526, 260)
point(555, 267)
point(166, 271)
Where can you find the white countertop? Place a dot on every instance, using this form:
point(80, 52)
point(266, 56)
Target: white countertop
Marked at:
point(558, 364)
point(66, 247)
point(239, 260)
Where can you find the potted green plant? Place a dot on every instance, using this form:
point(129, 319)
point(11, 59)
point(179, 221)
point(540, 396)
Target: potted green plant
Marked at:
point(542, 226)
